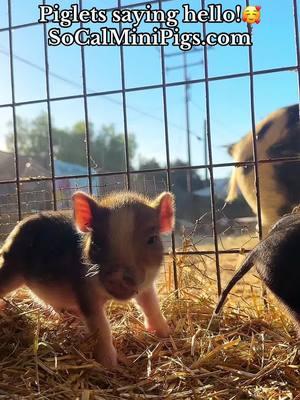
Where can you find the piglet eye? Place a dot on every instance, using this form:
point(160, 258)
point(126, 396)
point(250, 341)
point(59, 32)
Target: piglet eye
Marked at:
point(152, 239)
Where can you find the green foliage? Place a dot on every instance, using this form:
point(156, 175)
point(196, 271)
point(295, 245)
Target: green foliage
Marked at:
point(179, 178)
point(32, 137)
point(107, 147)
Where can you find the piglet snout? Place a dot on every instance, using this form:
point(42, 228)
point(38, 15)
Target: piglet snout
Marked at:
point(121, 284)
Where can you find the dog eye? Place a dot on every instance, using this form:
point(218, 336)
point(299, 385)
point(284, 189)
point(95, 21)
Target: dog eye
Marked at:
point(152, 239)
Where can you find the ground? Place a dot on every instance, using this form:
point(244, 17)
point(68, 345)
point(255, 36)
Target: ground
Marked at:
point(250, 352)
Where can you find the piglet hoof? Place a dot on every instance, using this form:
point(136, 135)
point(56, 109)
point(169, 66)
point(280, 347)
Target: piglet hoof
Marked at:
point(160, 329)
point(107, 357)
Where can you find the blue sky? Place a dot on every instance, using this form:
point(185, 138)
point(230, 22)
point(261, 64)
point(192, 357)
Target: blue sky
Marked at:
point(274, 47)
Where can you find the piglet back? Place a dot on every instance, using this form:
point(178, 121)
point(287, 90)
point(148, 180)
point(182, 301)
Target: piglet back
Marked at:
point(43, 247)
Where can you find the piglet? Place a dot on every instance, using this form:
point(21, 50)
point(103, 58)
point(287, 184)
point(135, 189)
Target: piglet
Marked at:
point(276, 259)
point(111, 249)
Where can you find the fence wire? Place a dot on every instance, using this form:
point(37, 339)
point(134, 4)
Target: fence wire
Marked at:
point(29, 197)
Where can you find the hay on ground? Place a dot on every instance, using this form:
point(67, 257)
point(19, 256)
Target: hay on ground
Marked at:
point(250, 352)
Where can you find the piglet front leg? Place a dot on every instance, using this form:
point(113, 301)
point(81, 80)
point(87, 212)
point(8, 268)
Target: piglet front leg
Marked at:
point(92, 310)
point(104, 351)
point(153, 319)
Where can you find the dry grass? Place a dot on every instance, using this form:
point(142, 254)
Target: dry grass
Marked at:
point(251, 352)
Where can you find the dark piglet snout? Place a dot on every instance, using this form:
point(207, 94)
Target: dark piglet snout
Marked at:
point(122, 283)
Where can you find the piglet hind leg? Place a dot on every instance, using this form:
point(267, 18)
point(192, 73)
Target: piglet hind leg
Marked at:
point(153, 319)
point(98, 325)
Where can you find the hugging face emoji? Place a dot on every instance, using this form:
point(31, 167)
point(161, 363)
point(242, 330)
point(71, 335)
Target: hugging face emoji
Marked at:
point(251, 14)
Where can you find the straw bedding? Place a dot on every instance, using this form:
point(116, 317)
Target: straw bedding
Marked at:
point(250, 352)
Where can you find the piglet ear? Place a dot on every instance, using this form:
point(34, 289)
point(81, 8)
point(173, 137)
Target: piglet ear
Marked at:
point(84, 208)
point(165, 205)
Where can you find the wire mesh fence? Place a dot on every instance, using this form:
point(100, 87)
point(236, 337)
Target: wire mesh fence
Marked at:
point(204, 228)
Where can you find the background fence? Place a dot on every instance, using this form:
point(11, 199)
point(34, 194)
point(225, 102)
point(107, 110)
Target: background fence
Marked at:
point(45, 180)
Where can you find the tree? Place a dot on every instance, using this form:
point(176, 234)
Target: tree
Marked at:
point(178, 177)
point(107, 147)
point(150, 163)
point(32, 136)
